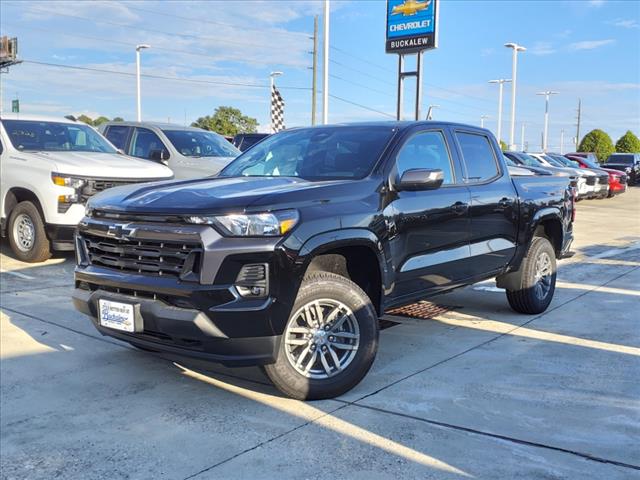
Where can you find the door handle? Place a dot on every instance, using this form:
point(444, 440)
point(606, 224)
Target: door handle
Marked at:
point(460, 207)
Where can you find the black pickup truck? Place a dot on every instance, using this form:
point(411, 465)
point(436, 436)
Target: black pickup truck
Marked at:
point(291, 254)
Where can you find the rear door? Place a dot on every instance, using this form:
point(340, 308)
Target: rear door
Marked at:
point(147, 145)
point(428, 230)
point(494, 203)
point(118, 135)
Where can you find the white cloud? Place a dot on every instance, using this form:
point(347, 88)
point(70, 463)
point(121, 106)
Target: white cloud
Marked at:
point(485, 52)
point(596, 3)
point(590, 44)
point(625, 23)
point(542, 48)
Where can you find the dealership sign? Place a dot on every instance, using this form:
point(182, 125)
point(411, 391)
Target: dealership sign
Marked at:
point(411, 25)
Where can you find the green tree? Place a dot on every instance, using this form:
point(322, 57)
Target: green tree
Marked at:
point(227, 121)
point(85, 119)
point(99, 121)
point(598, 142)
point(118, 119)
point(503, 146)
point(628, 143)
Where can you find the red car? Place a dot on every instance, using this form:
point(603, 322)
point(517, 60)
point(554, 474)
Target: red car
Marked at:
point(617, 179)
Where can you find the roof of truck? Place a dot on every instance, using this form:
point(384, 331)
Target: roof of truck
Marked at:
point(35, 118)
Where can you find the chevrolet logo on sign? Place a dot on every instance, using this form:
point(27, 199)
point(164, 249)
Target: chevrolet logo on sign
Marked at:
point(410, 7)
point(411, 25)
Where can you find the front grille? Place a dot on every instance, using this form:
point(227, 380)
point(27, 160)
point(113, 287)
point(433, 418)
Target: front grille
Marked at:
point(156, 258)
point(591, 180)
point(94, 186)
point(604, 180)
point(623, 179)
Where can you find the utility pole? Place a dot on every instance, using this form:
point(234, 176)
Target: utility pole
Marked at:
point(522, 137)
point(500, 83)
point(325, 66)
point(314, 86)
point(514, 75)
point(578, 124)
point(482, 117)
point(545, 137)
point(562, 142)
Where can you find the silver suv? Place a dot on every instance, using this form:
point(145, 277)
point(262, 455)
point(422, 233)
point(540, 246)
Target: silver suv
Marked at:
point(190, 152)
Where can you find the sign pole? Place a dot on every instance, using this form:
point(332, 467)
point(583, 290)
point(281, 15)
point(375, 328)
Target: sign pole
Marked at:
point(400, 89)
point(418, 85)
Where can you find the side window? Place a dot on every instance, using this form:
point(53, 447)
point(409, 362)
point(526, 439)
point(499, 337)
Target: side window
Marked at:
point(117, 134)
point(425, 150)
point(478, 156)
point(146, 144)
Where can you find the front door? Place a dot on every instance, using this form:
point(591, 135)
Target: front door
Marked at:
point(428, 230)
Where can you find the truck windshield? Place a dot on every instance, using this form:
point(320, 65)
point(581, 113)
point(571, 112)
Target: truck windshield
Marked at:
point(527, 160)
point(192, 143)
point(29, 135)
point(621, 159)
point(341, 152)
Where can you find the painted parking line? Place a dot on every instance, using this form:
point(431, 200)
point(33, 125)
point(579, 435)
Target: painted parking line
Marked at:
point(17, 274)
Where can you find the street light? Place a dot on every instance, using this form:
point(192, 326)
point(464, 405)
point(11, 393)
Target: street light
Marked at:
point(546, 94)
point(430, 111)
point(514, 74)
point(272, 75)
point(500, 83)
point(482, 117)
point(138, 48)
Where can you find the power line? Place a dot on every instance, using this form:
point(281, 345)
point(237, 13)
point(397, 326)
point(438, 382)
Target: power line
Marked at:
point(362, 106)
point(160, 77)
point(133, 45)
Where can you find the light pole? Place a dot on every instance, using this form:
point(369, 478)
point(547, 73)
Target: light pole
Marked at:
point(546, 94)
point(430, 111)
point(482, 117)
point(514, 75)
point(139, 109)
point(522, 137)
point(500, 82)
point(272, 75)
point(325, 66)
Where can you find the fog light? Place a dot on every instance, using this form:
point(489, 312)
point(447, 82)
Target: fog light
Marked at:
point(253, 280)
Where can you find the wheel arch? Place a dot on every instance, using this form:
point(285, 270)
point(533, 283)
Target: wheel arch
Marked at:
point(16, 195)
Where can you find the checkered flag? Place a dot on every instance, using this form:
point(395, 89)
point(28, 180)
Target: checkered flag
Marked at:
point(277, 110)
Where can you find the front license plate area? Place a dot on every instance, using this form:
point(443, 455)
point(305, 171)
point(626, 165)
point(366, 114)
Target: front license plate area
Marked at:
point(117, 315)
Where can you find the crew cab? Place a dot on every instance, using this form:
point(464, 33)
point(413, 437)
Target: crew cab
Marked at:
point(629, 163)
point(188, 151)
point(50, 168)
point(288, 258)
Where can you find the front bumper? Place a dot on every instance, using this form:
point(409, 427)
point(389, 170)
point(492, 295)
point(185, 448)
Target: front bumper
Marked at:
point(181, 331)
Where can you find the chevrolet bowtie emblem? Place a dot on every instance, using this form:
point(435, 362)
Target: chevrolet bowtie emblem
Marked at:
point(410, 7)
point(120, 231)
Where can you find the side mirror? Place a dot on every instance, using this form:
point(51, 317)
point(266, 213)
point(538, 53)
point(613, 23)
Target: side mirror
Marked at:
point(420, 179)
point(159, 155)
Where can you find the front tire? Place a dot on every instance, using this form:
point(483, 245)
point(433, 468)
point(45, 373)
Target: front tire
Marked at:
point(27, 235)
point(329, 342)
point(537, 282)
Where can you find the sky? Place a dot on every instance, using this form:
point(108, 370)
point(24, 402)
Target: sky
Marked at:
point(206, 54)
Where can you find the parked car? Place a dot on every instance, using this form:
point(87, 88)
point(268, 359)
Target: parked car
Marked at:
point(617, 179)
point(188, 151)
point(290, 255)
point(523, 160)
point(245, 140)
point(586, 181)
point(628, 163)
point(602, 177)
point(50, 168)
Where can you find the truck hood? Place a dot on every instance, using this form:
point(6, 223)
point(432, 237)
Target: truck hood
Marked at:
point(228, 194)
point(617, 166)
point(102, 165)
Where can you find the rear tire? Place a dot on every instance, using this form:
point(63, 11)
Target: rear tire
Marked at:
point(27, 236)
point(330, 340)
point(537, 280)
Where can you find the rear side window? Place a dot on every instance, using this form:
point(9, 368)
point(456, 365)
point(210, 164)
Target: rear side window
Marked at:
point(117, 135)
point(478, 156)
point(425, 150)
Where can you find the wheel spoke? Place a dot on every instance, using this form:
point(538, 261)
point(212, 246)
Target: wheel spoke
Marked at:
point(299, 330)
point(319, 316)
point(311, 362)
point(344, 346)
point(346, 335)
point(339, 323)
point(302, 356)
point(325, 364)
point(335, 358)
point(297, 341)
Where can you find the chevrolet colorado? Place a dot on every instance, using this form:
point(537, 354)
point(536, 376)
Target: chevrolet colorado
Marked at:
point(289, 256)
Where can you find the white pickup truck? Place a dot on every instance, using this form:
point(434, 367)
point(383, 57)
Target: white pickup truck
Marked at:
point(49, 168)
